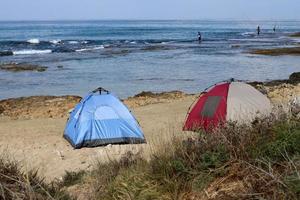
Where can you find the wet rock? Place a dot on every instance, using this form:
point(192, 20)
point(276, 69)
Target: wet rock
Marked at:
point(295, 34)
point(295, 77)
point(277, 51)
point(63, 50)
point(6, 53)
point(17, 67)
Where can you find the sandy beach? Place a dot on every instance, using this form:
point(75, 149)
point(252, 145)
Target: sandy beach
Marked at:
point(31, 128)
point(38, 142)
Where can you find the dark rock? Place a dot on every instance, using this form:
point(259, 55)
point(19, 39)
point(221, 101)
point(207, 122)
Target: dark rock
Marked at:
point(60, 66)
point(277, 51)
point(63, 50)
point(295, 77)
point(6, 53)
point(15, 67)
point(295, 34)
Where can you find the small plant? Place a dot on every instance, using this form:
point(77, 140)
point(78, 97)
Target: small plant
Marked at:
point(72, 178)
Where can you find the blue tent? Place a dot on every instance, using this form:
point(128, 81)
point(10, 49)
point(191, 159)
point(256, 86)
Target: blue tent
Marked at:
point(99, 119)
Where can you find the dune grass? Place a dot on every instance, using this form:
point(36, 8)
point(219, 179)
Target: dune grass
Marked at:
point(257, 161)
point(15, 184)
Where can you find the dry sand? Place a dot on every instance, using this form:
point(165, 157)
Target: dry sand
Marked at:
point(38, 142)
point(32, 134)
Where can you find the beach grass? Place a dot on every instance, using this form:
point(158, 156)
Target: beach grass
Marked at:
point(17, 184)
point(258, 161)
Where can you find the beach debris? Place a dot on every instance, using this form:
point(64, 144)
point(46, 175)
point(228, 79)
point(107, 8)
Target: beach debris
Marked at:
point(17, 67)
point(62, 157)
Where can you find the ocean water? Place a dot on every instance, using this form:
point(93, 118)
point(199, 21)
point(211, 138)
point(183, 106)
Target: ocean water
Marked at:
point(128, 57)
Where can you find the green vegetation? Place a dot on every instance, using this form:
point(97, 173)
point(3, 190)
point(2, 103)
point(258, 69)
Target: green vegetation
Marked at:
point(261, 161)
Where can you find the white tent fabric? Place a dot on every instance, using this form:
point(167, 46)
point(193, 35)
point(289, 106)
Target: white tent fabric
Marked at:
point(245, 103)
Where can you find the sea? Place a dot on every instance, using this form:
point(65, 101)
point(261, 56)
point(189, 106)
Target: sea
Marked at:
point(127, 57)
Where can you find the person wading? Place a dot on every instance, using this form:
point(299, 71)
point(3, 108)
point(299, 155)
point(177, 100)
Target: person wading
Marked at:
point(258, 30)
point(199, 37)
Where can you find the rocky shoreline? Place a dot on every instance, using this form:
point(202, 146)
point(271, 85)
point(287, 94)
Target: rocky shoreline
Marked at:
point(297, 34)
point(279, 91)
point(278, 51)
point(18, 67)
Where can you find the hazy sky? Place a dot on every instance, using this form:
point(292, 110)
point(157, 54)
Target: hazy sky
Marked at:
point(149, 9)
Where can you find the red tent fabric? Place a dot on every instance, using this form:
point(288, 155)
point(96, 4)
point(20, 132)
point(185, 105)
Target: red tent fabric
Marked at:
point(210, 110)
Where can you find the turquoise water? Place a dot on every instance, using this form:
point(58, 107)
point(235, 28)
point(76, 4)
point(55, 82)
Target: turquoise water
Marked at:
point(128, 57)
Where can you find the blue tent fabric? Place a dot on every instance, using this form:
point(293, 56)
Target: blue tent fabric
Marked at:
point(100, 119)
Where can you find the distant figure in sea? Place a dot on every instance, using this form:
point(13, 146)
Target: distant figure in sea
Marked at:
point(258, 30)
point(199, 37)
point(274, 29)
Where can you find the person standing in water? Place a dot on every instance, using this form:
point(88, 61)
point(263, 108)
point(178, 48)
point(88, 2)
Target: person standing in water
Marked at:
point(199, 37)
point(274, 29)
point(258, 30)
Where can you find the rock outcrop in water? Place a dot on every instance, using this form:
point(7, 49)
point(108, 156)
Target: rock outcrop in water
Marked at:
point(6, 53)
point(295, 34)
point(17, 67)
point(278, 51)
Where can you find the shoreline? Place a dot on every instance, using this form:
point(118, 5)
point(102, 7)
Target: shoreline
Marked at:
point(46, 106)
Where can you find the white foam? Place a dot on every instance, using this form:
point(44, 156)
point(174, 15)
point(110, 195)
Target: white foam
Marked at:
point(90, 49)
point(55, 41)
point(248, 34)
point(297, 40)
point(24, 52)
point(33, 41)
point(73, 42)
point(133, 42)
point(84, 42)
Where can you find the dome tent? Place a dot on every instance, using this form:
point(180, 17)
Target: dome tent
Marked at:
point(99, 119)
point(227, 101)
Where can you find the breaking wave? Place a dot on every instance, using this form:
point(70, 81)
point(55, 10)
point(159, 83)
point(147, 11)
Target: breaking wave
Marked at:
point(248, 34)
point(55, 41)
point(32, 51)
point(33, 41)
point(90, 49)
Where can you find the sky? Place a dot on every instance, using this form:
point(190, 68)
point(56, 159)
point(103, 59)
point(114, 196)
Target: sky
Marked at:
point(149, 9)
